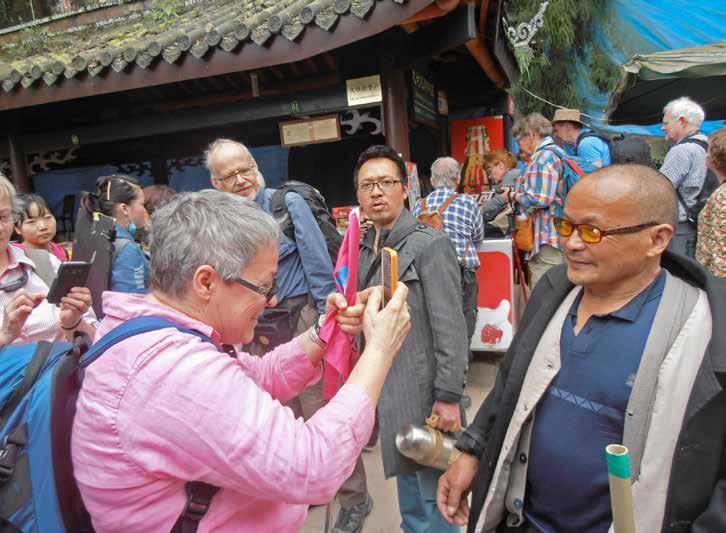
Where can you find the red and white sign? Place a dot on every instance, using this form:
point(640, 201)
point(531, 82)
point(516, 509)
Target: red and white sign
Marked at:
point(497, 300)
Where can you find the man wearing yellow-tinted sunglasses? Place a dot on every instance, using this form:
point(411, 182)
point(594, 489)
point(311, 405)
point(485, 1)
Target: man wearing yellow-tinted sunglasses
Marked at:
point(623, 344)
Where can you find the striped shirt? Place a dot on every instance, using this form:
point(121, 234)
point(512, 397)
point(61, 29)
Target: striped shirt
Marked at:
point(462, 223)
point(685, 166)
point(541, 192)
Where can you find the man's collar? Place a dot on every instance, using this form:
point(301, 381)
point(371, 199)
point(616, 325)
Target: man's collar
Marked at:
point(391, 236)
point(547, 140)
point(631, 310)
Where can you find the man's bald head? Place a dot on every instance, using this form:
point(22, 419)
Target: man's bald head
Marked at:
point(648, 192)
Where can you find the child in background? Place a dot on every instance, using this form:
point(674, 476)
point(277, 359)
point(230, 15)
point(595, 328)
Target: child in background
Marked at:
point(36, 226)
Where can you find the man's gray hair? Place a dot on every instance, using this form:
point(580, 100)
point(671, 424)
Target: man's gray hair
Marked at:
point(208, 227)
point(686, 108)
point(534, 122)
point(445, 173)
point(211, 152)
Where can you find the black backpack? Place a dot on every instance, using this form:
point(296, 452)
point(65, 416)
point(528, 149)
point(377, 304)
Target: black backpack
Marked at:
point(624, 149)
point(318, 207)
point(710, 184)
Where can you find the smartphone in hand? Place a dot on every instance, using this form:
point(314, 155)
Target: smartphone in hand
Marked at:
point(389, 273)
point(70, 274)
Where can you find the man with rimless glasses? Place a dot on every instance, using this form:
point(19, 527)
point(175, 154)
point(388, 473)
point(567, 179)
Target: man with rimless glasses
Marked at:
point(305, 272)
point(620, 345)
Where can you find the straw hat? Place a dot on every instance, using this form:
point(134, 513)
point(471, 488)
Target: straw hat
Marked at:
point(567, 115)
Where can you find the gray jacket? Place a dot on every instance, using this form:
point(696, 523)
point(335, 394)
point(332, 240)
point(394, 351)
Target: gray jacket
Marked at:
point(432, 363)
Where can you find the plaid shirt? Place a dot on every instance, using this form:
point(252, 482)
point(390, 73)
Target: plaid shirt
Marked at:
point(685, 166)
point(541, 190)
point(462, 223)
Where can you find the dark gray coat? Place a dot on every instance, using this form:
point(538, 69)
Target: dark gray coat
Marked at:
point(433, 360)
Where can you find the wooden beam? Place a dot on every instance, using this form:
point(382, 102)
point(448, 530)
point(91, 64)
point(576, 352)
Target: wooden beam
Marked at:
point(314, 41)
point(277, 72)
point(295, 69)
point(330, 61)
point(18, 164)
point(323, 100)
point(395, 117)
point(160, 171)
point(310, 62)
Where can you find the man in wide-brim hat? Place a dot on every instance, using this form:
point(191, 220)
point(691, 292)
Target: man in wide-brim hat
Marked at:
point(573, 134)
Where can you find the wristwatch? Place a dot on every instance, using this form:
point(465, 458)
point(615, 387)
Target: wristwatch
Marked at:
point(315, 332)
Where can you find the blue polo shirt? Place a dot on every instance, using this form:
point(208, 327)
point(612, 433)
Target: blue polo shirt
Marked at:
point(583, 411)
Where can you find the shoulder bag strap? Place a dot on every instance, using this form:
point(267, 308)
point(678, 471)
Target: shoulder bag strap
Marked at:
point(424, 207)
point(443, 207)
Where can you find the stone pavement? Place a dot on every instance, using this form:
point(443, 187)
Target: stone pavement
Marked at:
point(385, 517)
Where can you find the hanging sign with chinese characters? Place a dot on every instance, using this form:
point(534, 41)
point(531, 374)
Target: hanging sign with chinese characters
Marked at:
point(310, 131)
point(424, 99)
point(365, 90)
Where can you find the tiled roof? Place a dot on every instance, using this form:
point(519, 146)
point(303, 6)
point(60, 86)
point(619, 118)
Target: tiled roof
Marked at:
point(154, 35)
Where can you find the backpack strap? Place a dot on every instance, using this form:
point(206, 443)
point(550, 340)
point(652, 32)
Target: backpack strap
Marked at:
point(443, 207)
point(131, 328)
point(700, 142)
point(199, 498)
point(118, 245)
point(40, 357)
point(424, 207)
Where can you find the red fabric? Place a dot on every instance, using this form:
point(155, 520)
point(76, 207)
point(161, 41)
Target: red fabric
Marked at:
point(340, 354)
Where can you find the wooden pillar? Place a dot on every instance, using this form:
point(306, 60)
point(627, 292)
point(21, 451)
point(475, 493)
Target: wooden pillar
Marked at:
point(395, 111)
point(18, 165)
point(160, 171)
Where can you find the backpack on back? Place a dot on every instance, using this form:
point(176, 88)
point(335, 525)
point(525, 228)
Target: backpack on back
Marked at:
point(434, 218)
point(624, 149)
point(573, 170)
point(710, 184)
point(39, 385)
point(318, 207)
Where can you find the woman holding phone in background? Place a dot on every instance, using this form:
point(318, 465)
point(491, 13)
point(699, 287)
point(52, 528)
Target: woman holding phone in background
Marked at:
point(121, 198)
point(27, 315)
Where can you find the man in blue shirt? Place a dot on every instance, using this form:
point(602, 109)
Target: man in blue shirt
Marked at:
point(304, 280)
point(573, 134)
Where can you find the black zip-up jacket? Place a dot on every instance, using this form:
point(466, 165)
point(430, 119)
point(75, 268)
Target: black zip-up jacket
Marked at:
point(697, 489)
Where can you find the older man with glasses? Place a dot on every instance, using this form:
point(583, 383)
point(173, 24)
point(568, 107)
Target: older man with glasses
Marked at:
point(621, 344)
point(305, 271)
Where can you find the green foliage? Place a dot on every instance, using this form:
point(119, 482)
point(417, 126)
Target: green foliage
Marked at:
point(547, 69)
point(164, 11)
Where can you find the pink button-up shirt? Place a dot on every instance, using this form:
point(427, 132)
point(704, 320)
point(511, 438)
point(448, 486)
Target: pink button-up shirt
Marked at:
point(165, 407)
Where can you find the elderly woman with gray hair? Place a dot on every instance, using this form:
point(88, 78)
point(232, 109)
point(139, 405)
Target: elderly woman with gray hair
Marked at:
point(168, 407)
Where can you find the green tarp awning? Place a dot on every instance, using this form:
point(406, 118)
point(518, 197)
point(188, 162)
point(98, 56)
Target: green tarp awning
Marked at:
point(649, 82)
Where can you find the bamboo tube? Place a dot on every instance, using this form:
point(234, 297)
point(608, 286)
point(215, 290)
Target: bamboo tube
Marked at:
point(621, 493)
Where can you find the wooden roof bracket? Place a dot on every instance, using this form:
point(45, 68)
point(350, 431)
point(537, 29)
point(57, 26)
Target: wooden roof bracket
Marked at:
point(478, 49)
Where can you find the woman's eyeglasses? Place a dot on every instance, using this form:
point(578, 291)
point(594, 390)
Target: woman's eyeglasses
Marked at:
point(269, 294)
point(592, 234)
point(15, 284)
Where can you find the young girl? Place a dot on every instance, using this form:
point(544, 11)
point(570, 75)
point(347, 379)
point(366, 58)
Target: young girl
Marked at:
point(121, 197)
point(35, 224)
